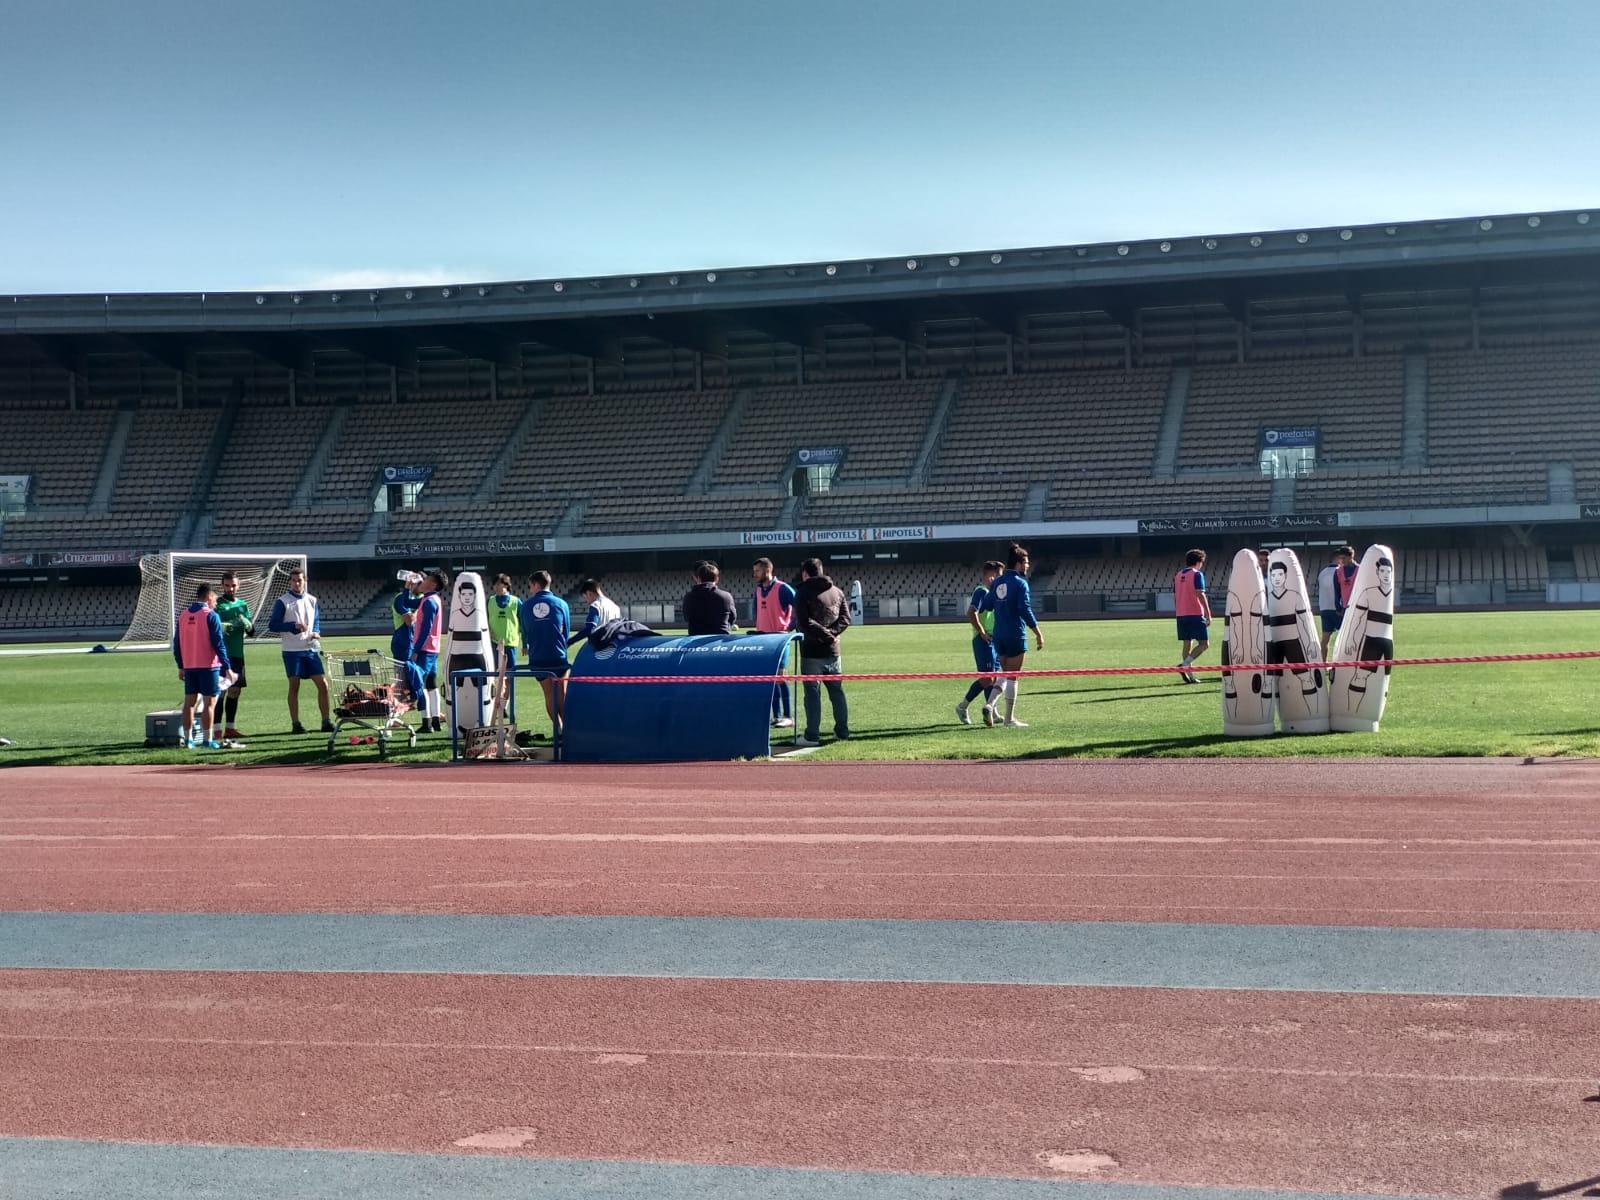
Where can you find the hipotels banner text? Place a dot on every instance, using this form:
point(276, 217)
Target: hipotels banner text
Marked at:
point(865, 533)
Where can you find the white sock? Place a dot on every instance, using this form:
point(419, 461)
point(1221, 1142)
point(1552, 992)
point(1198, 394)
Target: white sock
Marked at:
point(1011, 698)
point(992, 697)
point(433, 707)
point(1187, 660)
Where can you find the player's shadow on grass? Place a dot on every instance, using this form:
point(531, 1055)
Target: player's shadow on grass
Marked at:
point(1173, 688)
point(1131, 747)
point(1165, 694)
point(878, 732)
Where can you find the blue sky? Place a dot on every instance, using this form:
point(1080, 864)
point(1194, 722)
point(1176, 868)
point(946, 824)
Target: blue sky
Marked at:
point(153, 145)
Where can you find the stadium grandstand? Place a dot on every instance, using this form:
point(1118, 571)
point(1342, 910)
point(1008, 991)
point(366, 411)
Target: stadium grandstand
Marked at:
point(1435, 384)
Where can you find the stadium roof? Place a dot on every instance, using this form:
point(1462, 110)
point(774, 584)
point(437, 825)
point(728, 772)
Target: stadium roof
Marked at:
point(885, 293)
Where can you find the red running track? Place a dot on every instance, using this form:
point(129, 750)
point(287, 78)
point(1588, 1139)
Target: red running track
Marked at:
point(1336, 1093)
point(1492, 844)
point(1430, 1095)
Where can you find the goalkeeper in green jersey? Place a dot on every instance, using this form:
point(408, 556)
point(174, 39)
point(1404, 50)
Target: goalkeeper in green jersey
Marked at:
point(236, 626)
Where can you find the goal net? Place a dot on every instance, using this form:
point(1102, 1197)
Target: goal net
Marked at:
point(168, 581)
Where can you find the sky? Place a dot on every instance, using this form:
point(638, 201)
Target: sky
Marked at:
point(166, 145)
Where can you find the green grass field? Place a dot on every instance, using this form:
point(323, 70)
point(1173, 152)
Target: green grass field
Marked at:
point(89, 708)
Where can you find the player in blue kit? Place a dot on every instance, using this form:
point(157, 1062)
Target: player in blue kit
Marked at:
point(403, 611)
point(984, 654)
point(546, 631)
point(1011, 601)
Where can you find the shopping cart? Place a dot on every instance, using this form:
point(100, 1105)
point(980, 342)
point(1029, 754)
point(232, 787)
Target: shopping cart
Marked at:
point(367, 697)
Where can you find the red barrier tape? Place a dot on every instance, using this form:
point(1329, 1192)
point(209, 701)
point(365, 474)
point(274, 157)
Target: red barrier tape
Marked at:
point(1077, 672)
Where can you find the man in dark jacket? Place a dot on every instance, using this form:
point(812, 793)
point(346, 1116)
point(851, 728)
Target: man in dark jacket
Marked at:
point(821, 614)
point(706, 607)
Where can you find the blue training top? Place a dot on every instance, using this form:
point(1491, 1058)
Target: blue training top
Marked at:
point(546, 628)
point(1012, 604)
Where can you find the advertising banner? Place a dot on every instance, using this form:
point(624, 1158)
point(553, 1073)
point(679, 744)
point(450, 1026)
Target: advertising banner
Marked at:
point(425, 549)
point(901, 533)
point(94, 558)
point(410, 473)
point(819, 456)
point(1283, 523)
point(1288, 439)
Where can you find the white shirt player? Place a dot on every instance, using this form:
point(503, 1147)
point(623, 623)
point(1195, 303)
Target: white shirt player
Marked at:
point(292, 610)
point(1328, 589)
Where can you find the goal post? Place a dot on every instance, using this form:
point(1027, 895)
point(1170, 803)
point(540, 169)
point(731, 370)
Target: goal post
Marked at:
point(167, 583)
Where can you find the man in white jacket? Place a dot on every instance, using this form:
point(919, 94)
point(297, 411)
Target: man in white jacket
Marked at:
point(297, 620)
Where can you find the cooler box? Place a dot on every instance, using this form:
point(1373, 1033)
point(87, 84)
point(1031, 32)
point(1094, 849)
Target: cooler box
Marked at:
point(163, 728)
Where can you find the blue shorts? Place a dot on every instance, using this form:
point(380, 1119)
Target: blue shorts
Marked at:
point(510, 653)
point(302, 664)
point(202, 681)
point(985, 656)
point(400, 644)
point(1331, 620)
point(1193, 629)
point(557, 668)
point(427, 666)
point(1006, 648)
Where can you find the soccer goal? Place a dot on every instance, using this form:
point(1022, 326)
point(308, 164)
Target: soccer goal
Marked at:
point(168, 581)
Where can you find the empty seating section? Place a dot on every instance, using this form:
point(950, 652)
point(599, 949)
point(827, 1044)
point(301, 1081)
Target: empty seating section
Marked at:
point(287, 530)
point(1520, 568)
point(1088, 497)
point(985, 503)
point(1037, 427)
point(66, 606)
point(459, 439)
point(98, 531)
point(642, 444)
point(532, 516)
point(1496, 419)
point(342, 599)
point(162, 460)
point(1421, 487)
point(880, 424)
point(1524, 405)
point(1123, 578)
point(669, 514)
point(266, 454)
point(61, 450)
point(1356, 403)
point(1586, 562)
